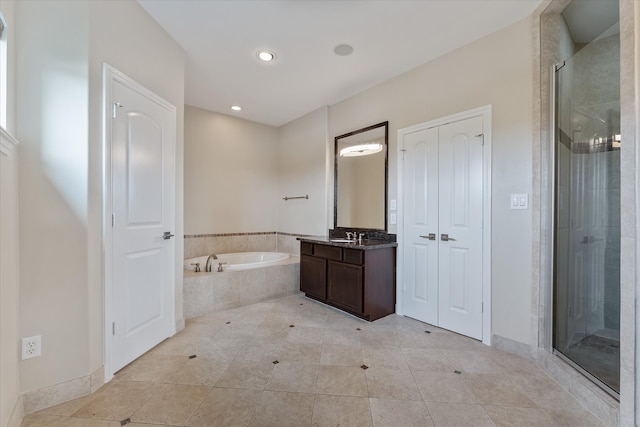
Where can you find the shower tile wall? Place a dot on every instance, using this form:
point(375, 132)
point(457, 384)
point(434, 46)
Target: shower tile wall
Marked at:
point(204, 244)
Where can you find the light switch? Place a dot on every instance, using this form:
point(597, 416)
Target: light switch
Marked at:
point(392, 205)
point(392, 218)
point(519, 201)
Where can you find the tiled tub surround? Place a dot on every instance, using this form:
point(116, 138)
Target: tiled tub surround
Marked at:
point(224, 243)
point(295, 362)
point(211, 292)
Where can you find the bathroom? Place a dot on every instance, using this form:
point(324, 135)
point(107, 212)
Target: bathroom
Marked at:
point(238, 205)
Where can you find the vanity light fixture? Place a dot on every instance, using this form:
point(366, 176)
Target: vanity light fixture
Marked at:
point(265, 55)
point(361, 150)
point(236, 107)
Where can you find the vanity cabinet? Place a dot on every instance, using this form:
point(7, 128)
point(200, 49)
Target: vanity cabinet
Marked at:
point(359, 280)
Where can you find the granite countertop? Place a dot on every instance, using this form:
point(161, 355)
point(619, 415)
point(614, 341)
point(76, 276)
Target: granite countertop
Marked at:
point(366, 243)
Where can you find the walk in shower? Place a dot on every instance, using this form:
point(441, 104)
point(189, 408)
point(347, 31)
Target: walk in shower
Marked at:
point(586, 305)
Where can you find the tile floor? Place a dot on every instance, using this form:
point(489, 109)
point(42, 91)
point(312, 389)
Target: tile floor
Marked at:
point(295, 362)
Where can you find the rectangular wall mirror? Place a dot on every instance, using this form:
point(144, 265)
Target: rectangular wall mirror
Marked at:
point(361, 175)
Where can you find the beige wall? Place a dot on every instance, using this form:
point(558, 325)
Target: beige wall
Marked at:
point(9, 274)
point(61, 49)
point(10, 408)
point(231, 174)
point(9, 282)
point(303, 160)
point(53, 127)
point(124, 36)
point(495, 70)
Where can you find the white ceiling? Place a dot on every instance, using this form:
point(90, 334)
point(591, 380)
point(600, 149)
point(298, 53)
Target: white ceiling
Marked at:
point(389, 38)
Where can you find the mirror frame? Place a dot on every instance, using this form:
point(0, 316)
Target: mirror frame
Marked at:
point(386, 174)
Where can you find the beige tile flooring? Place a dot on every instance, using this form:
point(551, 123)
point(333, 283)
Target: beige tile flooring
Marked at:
point(295, 362)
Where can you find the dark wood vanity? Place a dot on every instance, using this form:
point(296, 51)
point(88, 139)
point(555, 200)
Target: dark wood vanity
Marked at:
point(359, 278)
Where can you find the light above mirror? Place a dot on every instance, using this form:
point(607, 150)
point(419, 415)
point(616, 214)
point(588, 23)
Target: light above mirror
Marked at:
point(360, 197)
point(361, 150)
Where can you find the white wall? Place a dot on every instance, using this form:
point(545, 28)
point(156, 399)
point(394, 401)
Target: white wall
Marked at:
point(61, 47)
point(231, 174)
point(495, 70)
point(303, 167)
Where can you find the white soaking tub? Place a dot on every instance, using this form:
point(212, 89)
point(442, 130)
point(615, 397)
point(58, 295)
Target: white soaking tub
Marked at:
point(238, 261)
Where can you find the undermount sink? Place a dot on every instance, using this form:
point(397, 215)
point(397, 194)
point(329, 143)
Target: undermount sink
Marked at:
point(342, 240)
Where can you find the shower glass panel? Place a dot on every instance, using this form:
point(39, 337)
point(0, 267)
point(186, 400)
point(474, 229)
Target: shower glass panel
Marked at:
point(587, 218)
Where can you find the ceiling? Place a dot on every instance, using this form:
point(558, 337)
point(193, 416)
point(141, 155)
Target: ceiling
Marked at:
point(221, 39)
point(590, 19)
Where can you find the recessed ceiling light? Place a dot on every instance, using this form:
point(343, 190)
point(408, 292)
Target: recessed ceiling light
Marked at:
point(343, 50)
point(266, 55)
point(236, 107)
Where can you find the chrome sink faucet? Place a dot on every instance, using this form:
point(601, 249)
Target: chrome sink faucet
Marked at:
point(208, 265)
point(349, 234)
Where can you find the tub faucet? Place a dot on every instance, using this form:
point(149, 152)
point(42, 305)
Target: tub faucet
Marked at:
point(210, 258)
point(197, 266)
point(220, 270)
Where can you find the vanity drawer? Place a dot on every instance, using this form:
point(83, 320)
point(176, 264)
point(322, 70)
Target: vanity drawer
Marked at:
point(353, 256)
point(306, 248)
point(328, 252)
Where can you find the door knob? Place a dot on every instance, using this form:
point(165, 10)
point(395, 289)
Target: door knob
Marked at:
point(430, 236)
point(446, 238)
point(167, 235)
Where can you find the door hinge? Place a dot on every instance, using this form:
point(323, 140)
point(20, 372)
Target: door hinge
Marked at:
point(113, 220)
point(114, 109)
point(113, 328)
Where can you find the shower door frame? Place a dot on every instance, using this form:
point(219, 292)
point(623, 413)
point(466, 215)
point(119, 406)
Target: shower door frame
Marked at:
point(549, 298)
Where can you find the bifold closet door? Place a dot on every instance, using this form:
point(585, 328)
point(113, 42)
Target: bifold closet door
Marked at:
point(443, 226)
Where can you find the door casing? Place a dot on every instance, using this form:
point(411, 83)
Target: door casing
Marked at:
point(485, 113)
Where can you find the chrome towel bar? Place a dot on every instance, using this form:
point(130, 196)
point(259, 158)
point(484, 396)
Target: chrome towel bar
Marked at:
point(296, 197)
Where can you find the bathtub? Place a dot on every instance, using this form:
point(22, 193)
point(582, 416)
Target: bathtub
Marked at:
point(238, 261)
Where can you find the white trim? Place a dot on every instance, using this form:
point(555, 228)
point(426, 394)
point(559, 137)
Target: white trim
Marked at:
point(110, 75)
point(7, 142)
point(485, 113)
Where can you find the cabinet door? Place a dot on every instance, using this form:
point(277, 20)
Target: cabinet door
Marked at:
point(313, 276)
point(345, 286)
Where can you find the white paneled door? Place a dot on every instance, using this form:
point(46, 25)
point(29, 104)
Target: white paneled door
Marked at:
point(443, 219)
point(143, 221)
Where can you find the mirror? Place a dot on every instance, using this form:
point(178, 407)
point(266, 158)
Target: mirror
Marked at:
point(360, 193)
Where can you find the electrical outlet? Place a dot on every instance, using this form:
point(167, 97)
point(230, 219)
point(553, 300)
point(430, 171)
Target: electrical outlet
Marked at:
point(31, 347)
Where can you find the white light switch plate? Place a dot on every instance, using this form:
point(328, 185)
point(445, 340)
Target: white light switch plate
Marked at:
point(392, 205)
point(519, 201)
point(392, 218)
